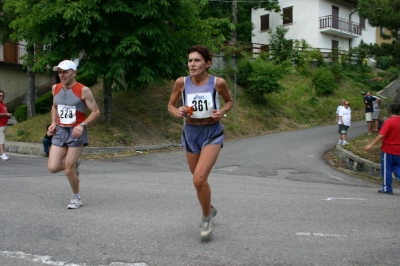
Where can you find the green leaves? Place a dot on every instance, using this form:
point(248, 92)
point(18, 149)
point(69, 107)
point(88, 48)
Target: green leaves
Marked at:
point(382, 13)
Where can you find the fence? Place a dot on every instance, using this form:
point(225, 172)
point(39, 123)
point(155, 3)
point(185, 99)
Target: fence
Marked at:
point(328, 54)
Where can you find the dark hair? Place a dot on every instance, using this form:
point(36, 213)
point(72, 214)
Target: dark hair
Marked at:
point(2, 91)
point(203, 50)
point(395, 109)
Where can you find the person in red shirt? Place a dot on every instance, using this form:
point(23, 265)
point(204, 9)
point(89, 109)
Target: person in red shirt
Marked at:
point(4, 116)
point(389, 134)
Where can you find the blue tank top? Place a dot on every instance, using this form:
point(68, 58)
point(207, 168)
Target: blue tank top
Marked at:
point(204, 99)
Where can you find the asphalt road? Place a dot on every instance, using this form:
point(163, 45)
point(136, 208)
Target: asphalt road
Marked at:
point(278, 203)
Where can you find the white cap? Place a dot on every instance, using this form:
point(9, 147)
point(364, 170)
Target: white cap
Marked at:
point(65, 65)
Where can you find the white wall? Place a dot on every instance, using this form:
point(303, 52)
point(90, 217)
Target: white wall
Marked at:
point(306, 14)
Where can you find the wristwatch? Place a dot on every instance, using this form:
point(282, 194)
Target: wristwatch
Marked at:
point(83, 124)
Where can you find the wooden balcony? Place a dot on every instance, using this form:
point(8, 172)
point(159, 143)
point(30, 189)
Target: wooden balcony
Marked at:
point(339, 27)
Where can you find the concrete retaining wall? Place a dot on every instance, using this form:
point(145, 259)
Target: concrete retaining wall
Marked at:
point(357, 163)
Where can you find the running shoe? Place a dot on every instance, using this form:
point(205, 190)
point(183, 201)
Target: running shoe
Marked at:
point(75, 203)
point(214, 211)
point(4, 157)
point(207, 224)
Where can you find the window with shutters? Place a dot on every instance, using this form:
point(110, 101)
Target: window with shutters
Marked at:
point(264, 22)
point(287, 15)
point(10, 52)
point(362, 23)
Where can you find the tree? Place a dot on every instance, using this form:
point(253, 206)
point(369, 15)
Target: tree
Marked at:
point(126, 43)
point(239, 12)
point(382, 13)
point(280, 47)
point(264, 76)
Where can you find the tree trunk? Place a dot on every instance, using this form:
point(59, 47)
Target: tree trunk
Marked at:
point(31, 89)
point(107, 98)
point(234, 21)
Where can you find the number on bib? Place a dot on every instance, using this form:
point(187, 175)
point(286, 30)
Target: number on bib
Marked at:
point(67, 114)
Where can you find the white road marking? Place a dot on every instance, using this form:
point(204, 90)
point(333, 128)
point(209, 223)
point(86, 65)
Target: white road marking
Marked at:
point(345, 199)
point(337, 178)
point(317, 234)
point(46, 260)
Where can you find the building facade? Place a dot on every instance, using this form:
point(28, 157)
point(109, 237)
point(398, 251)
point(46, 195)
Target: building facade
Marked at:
point(324, 24)
point(14, 80)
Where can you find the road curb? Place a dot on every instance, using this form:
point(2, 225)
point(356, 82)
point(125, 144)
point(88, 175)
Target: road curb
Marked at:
point(37, 148)
point(357, 163)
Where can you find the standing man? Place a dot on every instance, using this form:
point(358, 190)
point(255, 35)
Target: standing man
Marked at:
point(344, 122)
point(375, 115)
point(338, 108)
point(390, 155)
point(69, 122)
point(4, 116)
point(369, 102)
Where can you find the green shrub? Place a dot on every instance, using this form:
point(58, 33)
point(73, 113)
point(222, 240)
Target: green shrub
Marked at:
point(244, 69)
point(384, 62)
point(44, 103)
point(265, 76)
point(21, 113)
point(376, 85)
point(20, 132)
point(280, 47)
point(42, 106)
point(337, 71)
point(324, 81)
point(393, 73)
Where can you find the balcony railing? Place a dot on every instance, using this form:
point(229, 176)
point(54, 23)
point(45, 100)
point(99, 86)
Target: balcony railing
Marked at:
point(340, 24)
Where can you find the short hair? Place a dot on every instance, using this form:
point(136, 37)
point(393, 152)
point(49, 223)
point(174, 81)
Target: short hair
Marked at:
point(395, 108)
point(2, 91)
point(203, 51)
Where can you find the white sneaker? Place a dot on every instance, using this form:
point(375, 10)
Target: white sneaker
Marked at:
point(339, 142)
point(345, 143)
point(4, 157)
point(75, 203)
point(207, 224)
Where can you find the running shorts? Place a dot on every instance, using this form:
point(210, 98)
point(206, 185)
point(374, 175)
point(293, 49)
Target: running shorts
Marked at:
point(194, 138)
point(375, 115)
point(63, 138)
point(3, 134)
point(368, 117)
point(343, 129)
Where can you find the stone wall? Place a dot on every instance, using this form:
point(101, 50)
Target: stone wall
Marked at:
point(392, 91)
point(357, 163)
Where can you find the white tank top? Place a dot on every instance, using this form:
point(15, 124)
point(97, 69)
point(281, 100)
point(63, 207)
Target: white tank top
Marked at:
point(204, 99)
